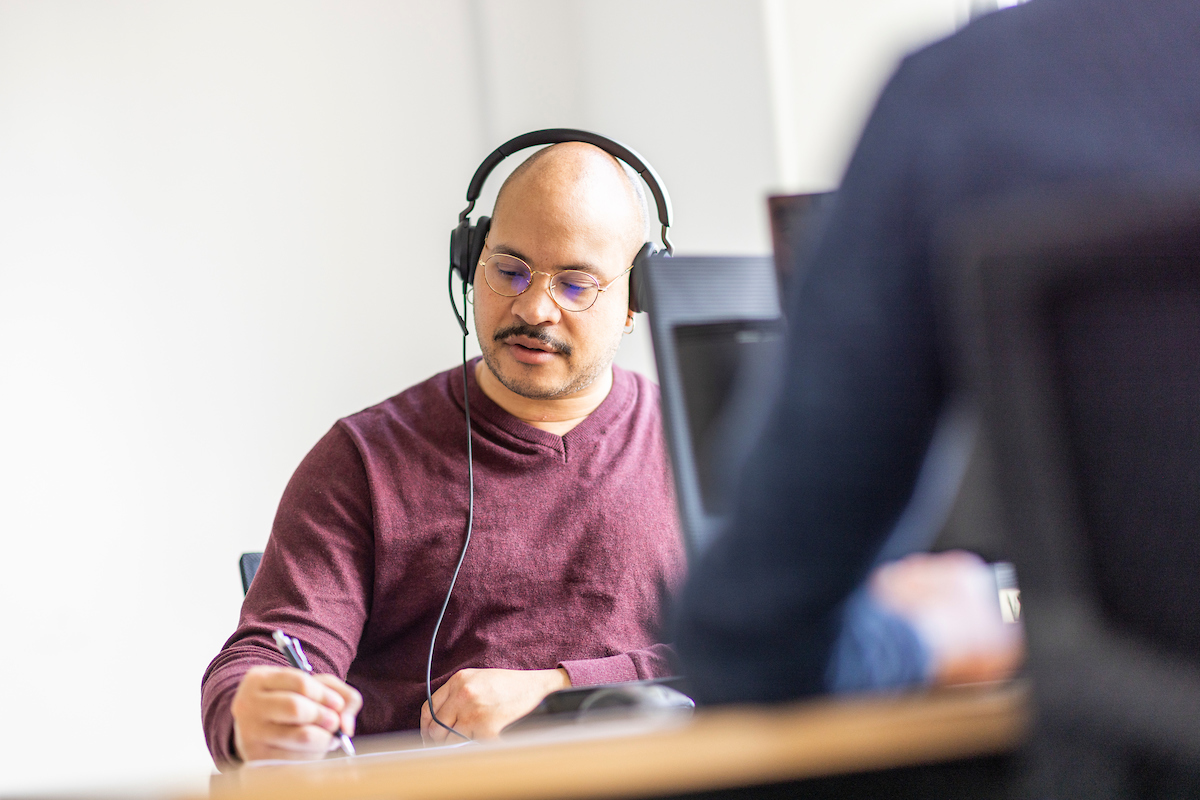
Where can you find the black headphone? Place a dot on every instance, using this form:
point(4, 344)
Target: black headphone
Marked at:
point(466, 241)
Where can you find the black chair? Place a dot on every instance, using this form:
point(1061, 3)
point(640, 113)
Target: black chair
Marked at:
point(1077, 320)
point(248, 567)
point(717, 330)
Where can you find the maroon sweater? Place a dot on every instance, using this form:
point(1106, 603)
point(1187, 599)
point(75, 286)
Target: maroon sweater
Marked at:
point(575, 548)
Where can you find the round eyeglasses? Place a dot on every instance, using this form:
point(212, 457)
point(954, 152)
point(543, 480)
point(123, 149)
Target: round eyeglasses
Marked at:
point(571, 289)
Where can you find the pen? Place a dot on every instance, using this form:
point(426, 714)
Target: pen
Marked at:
point(290, 647)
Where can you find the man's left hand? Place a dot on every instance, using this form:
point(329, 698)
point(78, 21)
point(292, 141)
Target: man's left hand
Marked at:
point(478, 703)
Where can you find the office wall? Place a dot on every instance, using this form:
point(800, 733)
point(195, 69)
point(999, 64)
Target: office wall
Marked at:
point(223, 225)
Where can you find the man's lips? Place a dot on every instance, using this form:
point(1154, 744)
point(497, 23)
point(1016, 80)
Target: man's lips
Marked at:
point(530, 344)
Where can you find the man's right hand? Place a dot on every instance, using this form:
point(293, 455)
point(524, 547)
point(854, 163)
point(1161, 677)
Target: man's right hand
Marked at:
point(284, 713)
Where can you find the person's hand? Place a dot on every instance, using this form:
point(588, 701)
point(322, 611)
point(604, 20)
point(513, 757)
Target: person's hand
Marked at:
point(950, 600)
point(284, 713)
point(478, 703)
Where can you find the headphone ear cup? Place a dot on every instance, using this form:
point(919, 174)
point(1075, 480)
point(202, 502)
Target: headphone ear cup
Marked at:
point(637, 288)
point(460, 239)
point(479, 234)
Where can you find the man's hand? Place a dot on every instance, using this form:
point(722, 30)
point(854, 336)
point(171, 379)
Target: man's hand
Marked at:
point(478, 703)
point(284, 713)
point(950, 599)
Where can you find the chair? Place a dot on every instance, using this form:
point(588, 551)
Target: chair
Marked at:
point(1077, 324)
point(717, 330)
point(248, 567)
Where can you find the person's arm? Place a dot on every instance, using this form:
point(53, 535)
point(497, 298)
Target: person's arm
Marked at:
point(950, 601)
point(863, 385)
point(314, 582)
point(478, 703)
point(655, 661)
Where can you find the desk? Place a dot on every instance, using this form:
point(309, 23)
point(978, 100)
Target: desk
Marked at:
point(718, 748)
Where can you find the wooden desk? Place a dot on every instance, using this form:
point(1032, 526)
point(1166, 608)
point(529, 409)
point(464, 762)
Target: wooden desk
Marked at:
point(718, 748)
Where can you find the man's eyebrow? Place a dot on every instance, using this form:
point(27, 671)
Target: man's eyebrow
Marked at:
point(509, 251)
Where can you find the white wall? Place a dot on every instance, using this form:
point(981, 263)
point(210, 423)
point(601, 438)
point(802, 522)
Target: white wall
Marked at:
point(829, 60)
point(223, 225)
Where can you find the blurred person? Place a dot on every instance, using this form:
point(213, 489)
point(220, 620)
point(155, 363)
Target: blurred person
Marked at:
point(1047, 93)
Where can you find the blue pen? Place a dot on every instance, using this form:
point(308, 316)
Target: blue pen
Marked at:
point(290, 647)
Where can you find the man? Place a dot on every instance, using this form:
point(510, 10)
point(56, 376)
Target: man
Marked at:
point(1046, 93)
point(575, 541)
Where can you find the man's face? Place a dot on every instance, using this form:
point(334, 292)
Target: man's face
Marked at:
point(552, 223)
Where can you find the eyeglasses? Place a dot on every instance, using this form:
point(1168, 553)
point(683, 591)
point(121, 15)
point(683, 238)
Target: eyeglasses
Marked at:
point(571, 289)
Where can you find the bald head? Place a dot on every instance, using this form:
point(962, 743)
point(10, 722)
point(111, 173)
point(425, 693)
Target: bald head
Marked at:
point(586, 181)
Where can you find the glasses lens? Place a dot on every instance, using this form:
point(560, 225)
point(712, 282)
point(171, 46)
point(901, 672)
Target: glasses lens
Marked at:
point(506, 275)
point(574, 290)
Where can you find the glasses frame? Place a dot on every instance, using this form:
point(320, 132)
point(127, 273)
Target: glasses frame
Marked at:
point(549, 283)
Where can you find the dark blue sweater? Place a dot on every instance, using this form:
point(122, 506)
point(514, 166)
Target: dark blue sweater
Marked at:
point(1052, 92)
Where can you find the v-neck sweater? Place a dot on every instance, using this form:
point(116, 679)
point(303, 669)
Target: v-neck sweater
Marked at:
point(574, 551)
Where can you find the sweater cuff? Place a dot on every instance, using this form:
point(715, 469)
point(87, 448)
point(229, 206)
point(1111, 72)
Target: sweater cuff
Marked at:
point(876, 650)
point(611, 669)
point(217, 699)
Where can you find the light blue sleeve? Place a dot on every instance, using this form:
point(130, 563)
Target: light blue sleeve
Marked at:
point(875, 650)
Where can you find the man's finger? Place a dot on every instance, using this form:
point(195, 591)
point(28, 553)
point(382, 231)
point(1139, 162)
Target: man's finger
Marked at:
point(290, 741)
point(351, 698)
point(289, 708)
point(290, 679)
point(431, 731)
point(442, 693)
point(348, 693)
point(426, 721)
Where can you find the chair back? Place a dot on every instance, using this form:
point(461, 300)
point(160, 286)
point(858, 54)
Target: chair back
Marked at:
point(248, 567)
point(716, 324)
point(1076, 318)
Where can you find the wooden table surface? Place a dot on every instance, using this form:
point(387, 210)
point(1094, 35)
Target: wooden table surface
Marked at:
point(717, 748)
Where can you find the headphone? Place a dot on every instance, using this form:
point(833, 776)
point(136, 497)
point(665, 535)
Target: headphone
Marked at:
point(467, 240)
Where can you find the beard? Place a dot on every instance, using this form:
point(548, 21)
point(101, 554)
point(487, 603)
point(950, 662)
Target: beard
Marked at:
point(579, 376)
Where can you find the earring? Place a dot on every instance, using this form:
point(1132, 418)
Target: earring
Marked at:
point(471, 295)
point(629, 322)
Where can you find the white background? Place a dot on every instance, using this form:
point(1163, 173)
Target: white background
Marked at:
point(223, 225)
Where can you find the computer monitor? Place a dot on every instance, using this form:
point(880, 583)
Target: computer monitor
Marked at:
point(717, 330)
point(797, 222)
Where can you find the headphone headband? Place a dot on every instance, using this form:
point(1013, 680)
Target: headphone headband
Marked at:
point(557, 135)
point(468, 239)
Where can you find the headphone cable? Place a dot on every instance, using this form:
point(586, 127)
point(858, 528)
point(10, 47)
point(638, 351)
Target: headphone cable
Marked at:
point(470, 511)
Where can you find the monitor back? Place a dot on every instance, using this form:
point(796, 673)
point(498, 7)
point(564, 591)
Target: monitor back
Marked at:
point(718, 331)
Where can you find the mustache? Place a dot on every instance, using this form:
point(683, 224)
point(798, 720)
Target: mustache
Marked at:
point(533, 333)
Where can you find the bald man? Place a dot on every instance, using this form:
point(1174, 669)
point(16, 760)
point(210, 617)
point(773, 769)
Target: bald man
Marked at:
point(575, 543)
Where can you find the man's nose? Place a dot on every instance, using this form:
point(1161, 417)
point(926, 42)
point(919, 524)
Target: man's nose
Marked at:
point(535, 305)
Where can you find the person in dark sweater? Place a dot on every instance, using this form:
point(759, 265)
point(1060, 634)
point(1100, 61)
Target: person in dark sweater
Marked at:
point(575, 543)
point(1048, 93)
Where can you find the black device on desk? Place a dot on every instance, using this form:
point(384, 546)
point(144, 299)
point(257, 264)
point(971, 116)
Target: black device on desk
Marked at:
point(585, 703)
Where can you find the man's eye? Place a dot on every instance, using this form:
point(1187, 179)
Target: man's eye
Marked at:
point(575, 284)
point(511, 274)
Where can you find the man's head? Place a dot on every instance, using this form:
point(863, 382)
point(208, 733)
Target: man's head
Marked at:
point(569, 206)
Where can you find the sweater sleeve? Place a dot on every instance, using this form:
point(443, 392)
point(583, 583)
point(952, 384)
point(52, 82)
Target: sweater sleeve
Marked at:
point(315, 582)
point(656, 661)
